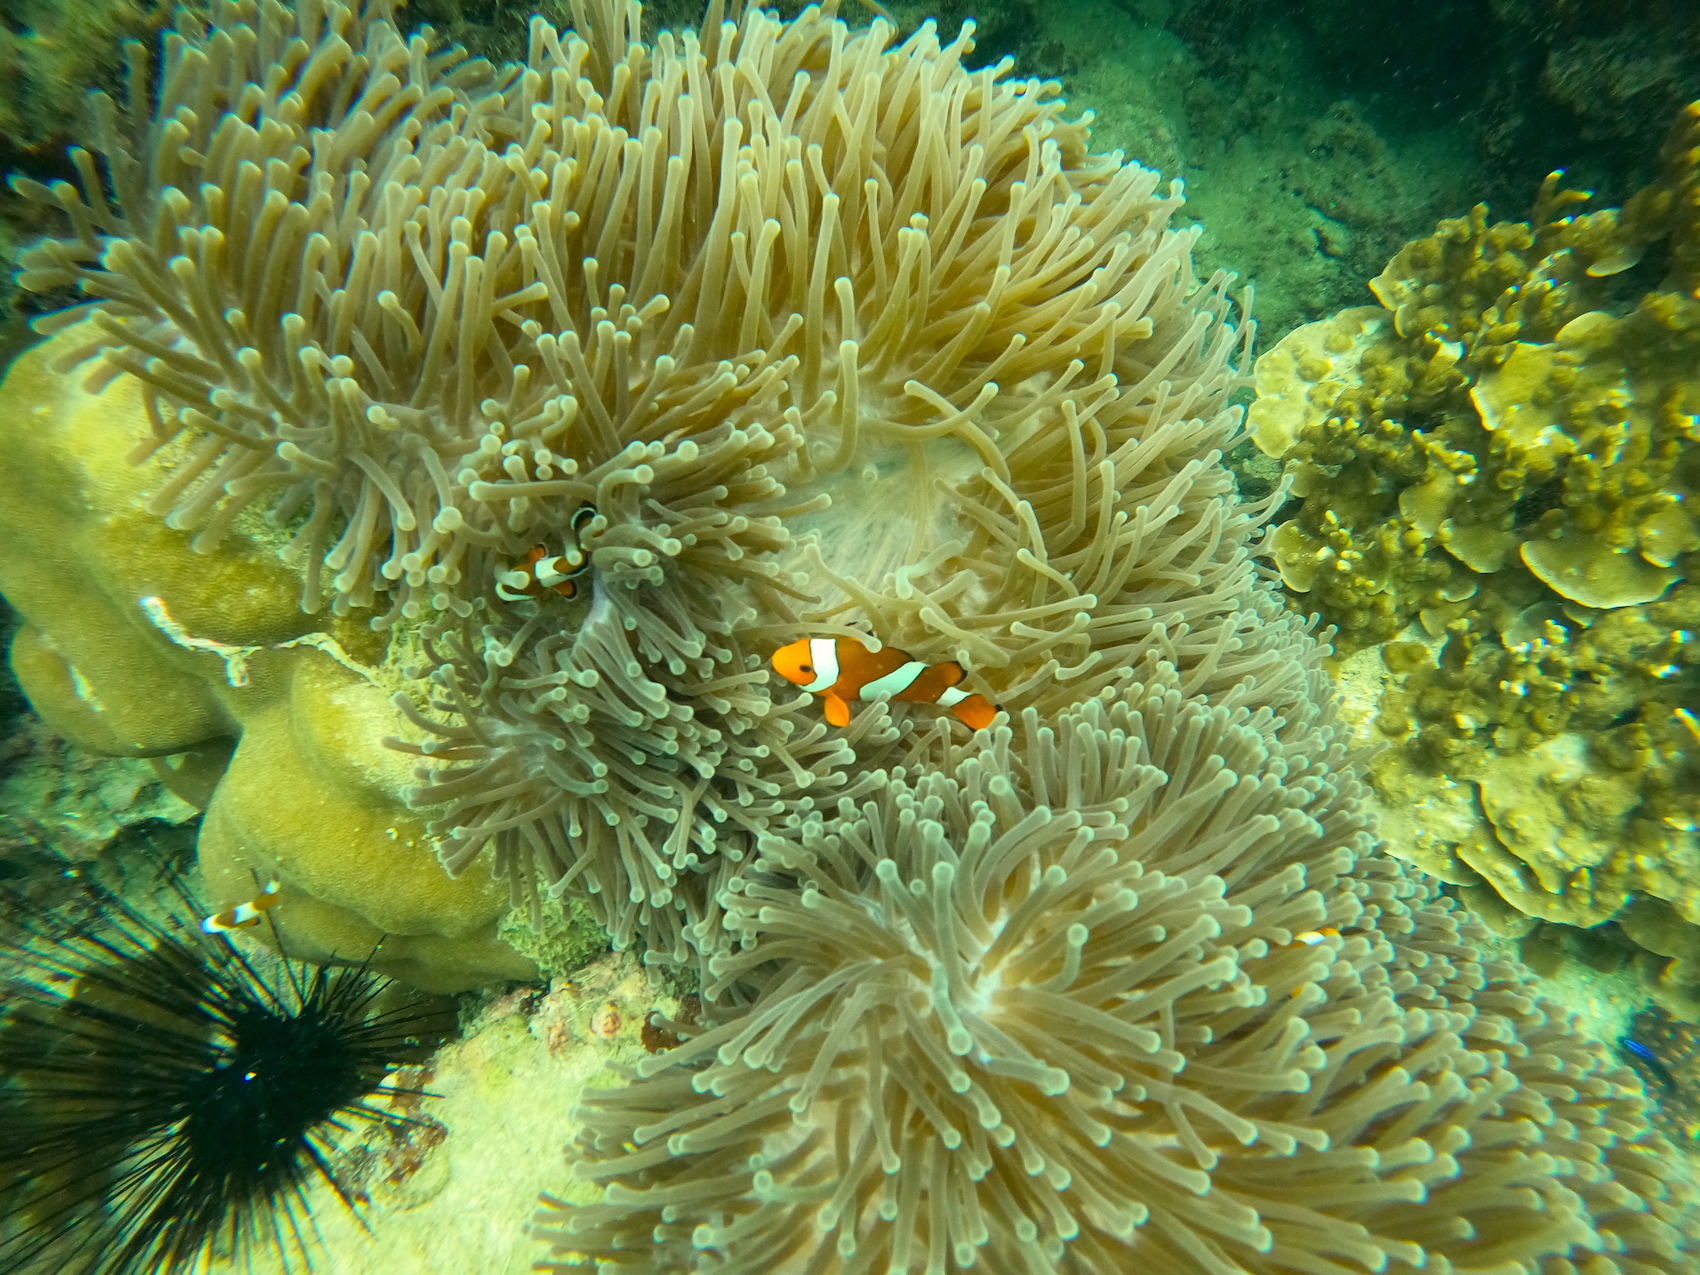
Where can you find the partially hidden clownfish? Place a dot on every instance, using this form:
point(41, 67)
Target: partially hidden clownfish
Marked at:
point(542, 570)
point(244, 915)
point(842, 669)
point(1310, 938)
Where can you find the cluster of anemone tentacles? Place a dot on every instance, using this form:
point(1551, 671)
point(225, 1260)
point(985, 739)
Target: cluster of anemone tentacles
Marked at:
point(837, 335)
point(834, 335)
point(1126, 987)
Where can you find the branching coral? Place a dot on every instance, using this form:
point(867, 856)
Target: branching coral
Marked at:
point(1506, 455)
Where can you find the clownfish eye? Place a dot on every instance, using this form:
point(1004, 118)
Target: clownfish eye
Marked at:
point(805, 668)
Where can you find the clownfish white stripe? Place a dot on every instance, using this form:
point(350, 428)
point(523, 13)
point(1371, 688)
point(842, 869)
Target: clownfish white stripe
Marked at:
point(540, 570)
point(823, 653)
point(893, 683)
point(951, 696)
point(243, 915)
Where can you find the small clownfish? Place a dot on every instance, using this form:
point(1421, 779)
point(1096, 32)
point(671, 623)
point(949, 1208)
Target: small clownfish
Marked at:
point(542, 570)
point(842, 669)
point(244, 915)
point(1310, 938)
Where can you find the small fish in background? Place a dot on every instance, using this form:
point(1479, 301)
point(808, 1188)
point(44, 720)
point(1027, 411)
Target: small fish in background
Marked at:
point(840, 670)
point(244, 915)
point(542, 570)
point(1648, 1059)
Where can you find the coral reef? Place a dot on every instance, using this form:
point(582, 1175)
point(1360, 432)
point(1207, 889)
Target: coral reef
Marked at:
point(62, 804)
point(760, 331)
point(60, 800)
point(1597, 75)
point(80, 551)
point(1294, 178)
point(1534, 85)
point(1497, 468)
point(1494, 414)
point(463, 1128)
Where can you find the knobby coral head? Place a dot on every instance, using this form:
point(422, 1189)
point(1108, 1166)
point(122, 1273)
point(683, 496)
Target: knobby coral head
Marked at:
point(828, 334)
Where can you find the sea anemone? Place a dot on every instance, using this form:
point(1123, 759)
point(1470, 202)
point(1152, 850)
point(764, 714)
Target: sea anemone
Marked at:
point(1126, 988)
point(901, 359)
point(163, 1092)
point(831, 333)
point(834, 336)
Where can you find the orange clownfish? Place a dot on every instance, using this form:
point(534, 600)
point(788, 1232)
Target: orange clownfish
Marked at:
point(542, 570)
point(243, 915)
point(842, 669)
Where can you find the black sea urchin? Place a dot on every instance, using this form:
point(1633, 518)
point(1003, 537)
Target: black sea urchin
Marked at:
point(164, 1095)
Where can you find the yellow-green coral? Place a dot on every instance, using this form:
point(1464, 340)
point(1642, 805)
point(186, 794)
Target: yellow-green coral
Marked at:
point(1569, 749)
point(1497, 466)
point(134, 647)
point(1505, 408)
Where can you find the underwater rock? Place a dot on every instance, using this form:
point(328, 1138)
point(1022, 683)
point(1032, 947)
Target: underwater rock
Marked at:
point(69, 803)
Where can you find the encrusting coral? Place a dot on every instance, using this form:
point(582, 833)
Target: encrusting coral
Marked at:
point(830, 336)
point(1505, 454)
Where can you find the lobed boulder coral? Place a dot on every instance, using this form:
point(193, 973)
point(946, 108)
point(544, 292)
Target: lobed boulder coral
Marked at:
point(763, 330)
point(1498, 466)
point(134, 646)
